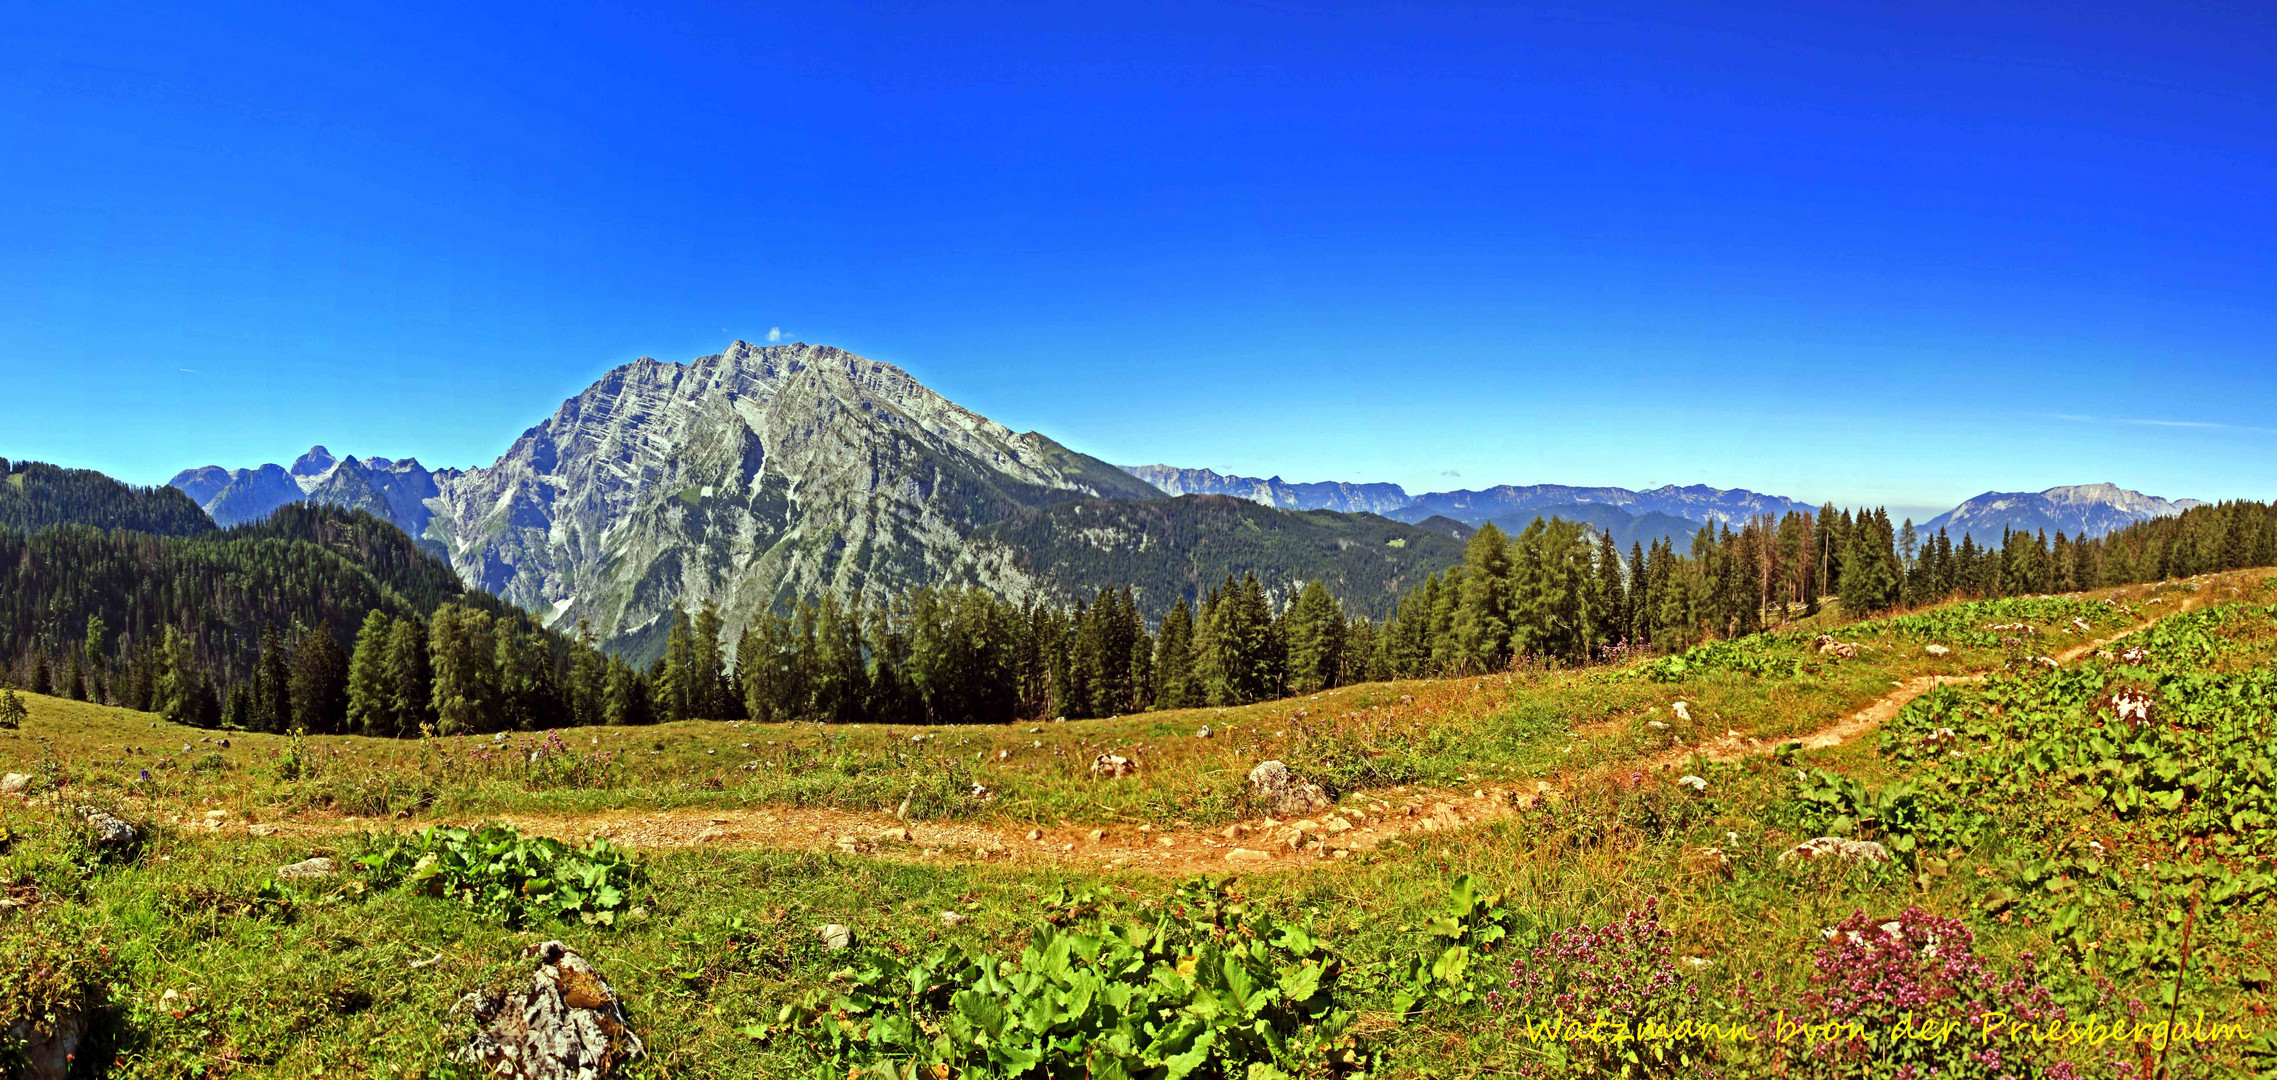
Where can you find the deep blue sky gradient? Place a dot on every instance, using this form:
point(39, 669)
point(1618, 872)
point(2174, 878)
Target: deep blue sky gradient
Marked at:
point(1895, 253)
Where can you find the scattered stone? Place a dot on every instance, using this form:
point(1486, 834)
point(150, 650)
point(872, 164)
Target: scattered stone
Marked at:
point(836, 938)
point(1696, 783)
point(898, 834)
point(1337, 825)
point(16, 783)
point(1204, 733)
point(1035, 834)
point(2080, 625)
point(1113, 766)
point(1098, 836)
point(1827, 646)
point(2048, 662)
point(1235, 831)
point(1937, 650)
point(845, 844)
point(566, 1025)
point(262, 829)
point(1242, 854)
point(111, 831)
point(1683, 711)
point(1656, 725)
point(1282, 793)
point(2134, 654)
point(951, 918)
point(1838, 847)
point(318, 867)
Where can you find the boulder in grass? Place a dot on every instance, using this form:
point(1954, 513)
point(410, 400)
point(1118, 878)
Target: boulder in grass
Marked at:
point(1283, 794)
point(1841, 848)
point(318, 867)
point(566, 1024)
point(111, 832)
point(1113, 766)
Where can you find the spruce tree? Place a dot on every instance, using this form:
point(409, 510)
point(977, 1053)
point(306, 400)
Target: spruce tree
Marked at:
point(319, 683)
point(1174, 658)
point(371, 701)
point(1316, 640)
point(1482, 620)
point(409, 677)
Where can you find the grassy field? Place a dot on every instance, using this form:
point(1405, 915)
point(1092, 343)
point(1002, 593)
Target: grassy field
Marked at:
point(2125, 859)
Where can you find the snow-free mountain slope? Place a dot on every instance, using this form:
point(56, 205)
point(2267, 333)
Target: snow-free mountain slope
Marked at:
point(750, 477)
point(1274, 491)
point(1698, 502)
point(2078, 510)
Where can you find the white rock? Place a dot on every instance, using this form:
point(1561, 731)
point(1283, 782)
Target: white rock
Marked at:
point(318, 867)
point(1836, 847)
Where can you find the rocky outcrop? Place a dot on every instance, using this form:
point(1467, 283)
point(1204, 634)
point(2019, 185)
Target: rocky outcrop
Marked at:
point(566, 1024)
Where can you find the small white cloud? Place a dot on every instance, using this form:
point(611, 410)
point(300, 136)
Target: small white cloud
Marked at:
point(1452, 472)
point(774, 333)
point(191, 370)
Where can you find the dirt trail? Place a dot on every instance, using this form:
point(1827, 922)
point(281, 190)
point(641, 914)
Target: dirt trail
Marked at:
point(1733, 745)
point(1398, 816)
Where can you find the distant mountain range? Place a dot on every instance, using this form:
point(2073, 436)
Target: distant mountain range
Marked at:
point(395, 491)
point(1668, 512)
point(2079, 510)
point(763, 475)
point(1275, 492)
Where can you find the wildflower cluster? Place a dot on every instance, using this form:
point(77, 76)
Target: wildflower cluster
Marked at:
point(1619, 977)
point(1908, 997)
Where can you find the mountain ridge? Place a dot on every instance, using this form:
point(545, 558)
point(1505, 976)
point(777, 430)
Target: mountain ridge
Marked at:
point(2075, 509)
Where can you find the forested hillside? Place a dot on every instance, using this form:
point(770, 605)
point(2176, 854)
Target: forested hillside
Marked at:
point(35, 495)
point(332, 620)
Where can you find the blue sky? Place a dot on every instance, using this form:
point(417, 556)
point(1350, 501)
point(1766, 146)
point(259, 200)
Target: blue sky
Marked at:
point(1896, 253)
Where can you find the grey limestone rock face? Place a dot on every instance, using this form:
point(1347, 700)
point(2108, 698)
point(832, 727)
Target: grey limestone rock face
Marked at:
point(1274, 491)
point(760, 474)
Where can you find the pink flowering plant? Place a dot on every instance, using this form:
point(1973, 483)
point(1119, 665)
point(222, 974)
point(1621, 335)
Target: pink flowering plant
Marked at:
point(1908, 998)
point(1605, 1000)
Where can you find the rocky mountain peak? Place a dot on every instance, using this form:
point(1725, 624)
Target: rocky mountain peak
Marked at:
point(316, 462)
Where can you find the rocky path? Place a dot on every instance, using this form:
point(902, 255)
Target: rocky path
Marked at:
point(1398, 818)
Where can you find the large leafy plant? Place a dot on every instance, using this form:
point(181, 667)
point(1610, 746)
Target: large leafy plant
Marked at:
point(1204, 985)
point(512, 878)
